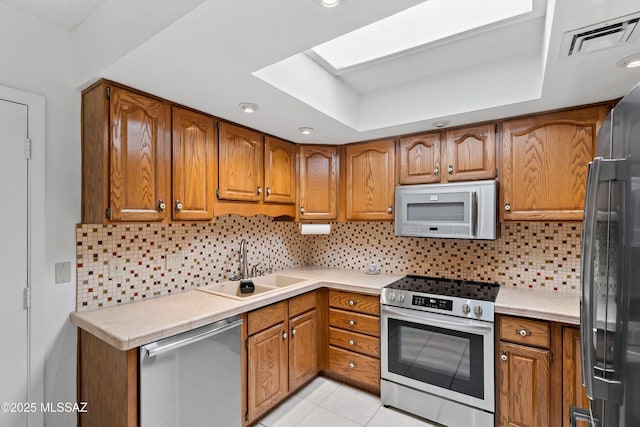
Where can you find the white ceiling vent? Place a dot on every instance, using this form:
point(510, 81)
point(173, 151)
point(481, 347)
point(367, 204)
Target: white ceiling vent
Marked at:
point(604, 35)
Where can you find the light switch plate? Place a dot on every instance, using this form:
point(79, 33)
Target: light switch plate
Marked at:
point(63, 272)
point(173, 261)
point(116, 268)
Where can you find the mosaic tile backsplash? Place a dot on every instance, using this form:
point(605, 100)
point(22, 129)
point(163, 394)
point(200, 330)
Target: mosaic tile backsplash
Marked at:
point(538, 255)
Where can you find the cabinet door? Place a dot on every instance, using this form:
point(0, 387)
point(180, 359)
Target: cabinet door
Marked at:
point(267, 370)
point(420, 159)
point(370, 180)
point(318, 192)
point(280, 171)
point(194, 165)
point(524, 386)
point(139, 157)
point(470, 153)
point(544, 164)
point(241, 164)
point(303, 349)
point(573, 392)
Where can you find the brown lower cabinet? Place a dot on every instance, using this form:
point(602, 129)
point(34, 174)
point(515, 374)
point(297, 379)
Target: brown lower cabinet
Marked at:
point(282, 352)
point(538, 372)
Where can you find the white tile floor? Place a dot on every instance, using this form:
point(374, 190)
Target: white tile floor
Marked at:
point(325, 402)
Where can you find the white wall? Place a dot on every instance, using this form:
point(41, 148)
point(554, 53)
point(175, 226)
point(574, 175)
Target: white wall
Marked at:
point(36, 56)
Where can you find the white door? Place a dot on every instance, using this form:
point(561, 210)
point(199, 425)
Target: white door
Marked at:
point(14, 265)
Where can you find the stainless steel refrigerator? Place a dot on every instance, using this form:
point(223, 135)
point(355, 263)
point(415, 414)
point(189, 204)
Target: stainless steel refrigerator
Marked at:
point(610, 294)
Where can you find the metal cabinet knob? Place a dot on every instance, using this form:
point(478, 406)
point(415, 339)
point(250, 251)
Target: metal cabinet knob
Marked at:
point(268, 191)
point(259, 190)
point(450, 169)
point(523, 332)
point(352, 322)
point(161, 205)
point(284, 335)
point(436, 171)
point(178, 205)
point(352, 302)
point(293, 332)
point(507, 206)
point(302, 210)
point(503, 357)
point(390, 209)
point(352, 342)
point(352, 365)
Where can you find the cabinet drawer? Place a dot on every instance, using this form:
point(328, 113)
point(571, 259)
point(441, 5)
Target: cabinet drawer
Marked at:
point(525, 331)
point(302, 303)
point(359, 368)
point(367, 304)
point(356, 322)
point(354, 341)
point(262, 318)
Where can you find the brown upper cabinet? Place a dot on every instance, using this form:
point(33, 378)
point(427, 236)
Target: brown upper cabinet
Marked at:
point(279, 171)
point(318, 182)
point(419, 158)
point(241, 164)
point(461, 154)
point(544, 164)
point(126, 155)
point(370, 180)
point(194, 165)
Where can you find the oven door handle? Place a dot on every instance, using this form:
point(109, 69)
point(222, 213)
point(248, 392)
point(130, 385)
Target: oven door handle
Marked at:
point(427, 318)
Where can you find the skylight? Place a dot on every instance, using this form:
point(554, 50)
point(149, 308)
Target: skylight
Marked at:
point(417, 26)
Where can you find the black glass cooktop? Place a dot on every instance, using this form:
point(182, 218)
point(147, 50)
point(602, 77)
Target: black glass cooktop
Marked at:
point(447, 287)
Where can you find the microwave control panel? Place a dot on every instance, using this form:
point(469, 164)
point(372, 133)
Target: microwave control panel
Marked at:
point(430, 302)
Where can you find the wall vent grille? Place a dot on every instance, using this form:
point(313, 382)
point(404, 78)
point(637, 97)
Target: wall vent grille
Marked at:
point(604, 35)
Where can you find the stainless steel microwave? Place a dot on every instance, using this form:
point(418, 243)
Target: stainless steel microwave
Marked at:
point(461, 210)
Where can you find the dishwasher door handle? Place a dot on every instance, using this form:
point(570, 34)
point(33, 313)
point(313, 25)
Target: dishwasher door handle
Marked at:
point(191, 337)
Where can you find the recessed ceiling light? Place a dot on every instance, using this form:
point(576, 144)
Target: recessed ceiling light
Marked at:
point(630, 61)
point(441, 123)
point(305, 130)
point(329, 3)
point(249, 107)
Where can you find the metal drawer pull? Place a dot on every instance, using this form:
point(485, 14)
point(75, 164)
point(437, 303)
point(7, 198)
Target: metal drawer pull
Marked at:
point(352, 365)
point(352, 322)
point(352, 302)
point(523, 332)
point(352, 342)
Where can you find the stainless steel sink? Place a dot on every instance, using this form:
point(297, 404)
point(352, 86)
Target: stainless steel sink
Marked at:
point(231, 289)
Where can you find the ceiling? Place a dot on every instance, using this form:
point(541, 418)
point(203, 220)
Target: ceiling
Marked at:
point(214, 54)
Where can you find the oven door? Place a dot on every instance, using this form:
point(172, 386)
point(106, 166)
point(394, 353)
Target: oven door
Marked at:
point(447, 356)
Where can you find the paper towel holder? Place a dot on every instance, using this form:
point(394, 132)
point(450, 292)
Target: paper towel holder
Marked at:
point(306, 228)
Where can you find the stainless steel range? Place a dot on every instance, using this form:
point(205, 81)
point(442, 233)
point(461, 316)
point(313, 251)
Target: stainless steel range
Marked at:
point(438, 349)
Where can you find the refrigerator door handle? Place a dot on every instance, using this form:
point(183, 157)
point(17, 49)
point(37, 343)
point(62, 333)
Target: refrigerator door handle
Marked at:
point(600, 170)
point(586, 298)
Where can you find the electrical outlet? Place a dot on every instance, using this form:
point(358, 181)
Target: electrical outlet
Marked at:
point(63, 272)
point(116, 268)
point(173, 261)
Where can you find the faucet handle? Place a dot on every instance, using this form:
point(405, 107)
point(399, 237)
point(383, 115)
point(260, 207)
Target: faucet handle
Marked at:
point(254, 269)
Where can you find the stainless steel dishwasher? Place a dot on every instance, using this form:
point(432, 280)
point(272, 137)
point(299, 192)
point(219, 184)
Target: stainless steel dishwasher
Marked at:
point(193, 379)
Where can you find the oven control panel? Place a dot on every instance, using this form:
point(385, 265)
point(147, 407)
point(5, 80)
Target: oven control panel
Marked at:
point(438, 303)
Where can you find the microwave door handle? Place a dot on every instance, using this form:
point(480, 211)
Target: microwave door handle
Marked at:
point(473, 211)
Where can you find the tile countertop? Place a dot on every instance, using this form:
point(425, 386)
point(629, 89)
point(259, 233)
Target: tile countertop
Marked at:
point(130, 325)
point(539, 304)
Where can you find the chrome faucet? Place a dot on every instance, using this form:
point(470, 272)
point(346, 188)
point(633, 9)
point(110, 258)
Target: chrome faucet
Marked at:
point(244, 273)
